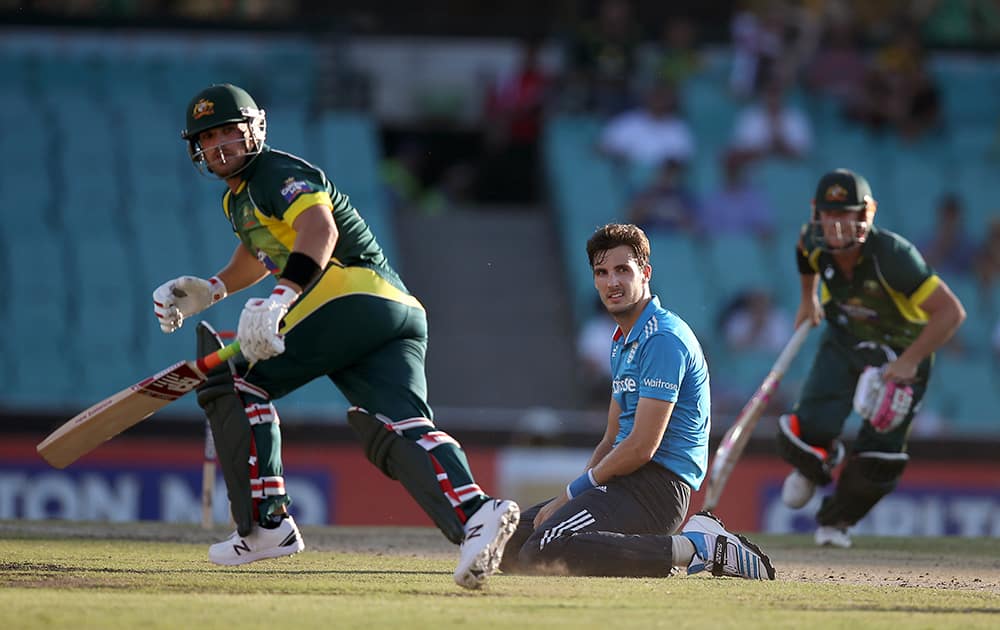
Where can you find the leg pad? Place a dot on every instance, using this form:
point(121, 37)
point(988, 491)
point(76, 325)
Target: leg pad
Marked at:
point(866, 478)
point(408, 463)
point(815, 464)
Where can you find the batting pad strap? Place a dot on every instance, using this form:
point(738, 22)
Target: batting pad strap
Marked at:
point(262, 487)
point(403, 425)
point(432, 440)
point(470, 491)
point(242, 385)
point(261, 414)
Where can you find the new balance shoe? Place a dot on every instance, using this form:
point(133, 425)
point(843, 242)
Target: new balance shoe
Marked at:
point(797, 490)
point(827, 536)
point(486, 533)
point(723, 553)
point(283, 540)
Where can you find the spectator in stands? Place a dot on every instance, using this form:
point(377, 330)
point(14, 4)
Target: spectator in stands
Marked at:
point(651, 134)
point(839, 67)
point(752, 322)
point(739, 206)
point(898, 92)
point(666, 204)
point(987, 260)
point(947, 248)
point(675, 57)
point(513, 123)
point(593, 347)
point(603, 57)
point(961, 22)
point(773, 128)
point(757, 43)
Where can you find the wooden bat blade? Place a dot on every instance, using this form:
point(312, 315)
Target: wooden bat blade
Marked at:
point(101, 422)
point(736, 438)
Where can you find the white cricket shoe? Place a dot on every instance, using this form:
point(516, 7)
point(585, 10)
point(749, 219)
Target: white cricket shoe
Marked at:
point(723, 553)
point(797, 490)
point(283, 540)
point(827, 536)
point(486, 533)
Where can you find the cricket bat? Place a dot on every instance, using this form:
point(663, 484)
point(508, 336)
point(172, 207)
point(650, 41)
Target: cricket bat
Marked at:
point(103, 421)
point(736, 438)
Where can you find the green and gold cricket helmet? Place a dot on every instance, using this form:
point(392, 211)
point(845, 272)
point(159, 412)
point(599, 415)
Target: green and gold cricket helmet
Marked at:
point(219, 105)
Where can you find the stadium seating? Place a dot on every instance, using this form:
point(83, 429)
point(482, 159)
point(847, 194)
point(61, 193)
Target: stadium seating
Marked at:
point(103, 196)
point(102, 184)
point(908, 179)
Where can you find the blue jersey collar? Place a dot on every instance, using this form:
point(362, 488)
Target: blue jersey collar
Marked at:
point(647, 313)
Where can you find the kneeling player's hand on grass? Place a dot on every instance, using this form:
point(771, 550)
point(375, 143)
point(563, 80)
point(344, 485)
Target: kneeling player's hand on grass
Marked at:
point(549, 509)
point(183, 297)
point(259, 322)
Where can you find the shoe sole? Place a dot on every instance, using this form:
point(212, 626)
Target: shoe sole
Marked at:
point(274, 552)
point(829, 542)
point(721, 529)
point(488, 560)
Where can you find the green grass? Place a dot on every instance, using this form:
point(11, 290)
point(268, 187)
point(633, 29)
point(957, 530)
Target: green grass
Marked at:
point(146, 581)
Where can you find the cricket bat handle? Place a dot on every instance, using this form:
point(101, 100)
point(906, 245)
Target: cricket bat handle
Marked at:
point(738, 435)
point(211, 361)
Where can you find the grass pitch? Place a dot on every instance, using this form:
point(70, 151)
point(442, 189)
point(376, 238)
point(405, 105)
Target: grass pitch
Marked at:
point(151, 575)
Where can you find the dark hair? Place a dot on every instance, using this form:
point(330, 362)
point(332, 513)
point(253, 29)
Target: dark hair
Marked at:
point(614, 235)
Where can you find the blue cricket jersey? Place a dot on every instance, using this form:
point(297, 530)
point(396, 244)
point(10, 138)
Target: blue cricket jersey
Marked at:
point(662, 359)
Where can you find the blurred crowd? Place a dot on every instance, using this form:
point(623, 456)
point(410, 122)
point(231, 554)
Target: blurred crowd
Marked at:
point(606, 59)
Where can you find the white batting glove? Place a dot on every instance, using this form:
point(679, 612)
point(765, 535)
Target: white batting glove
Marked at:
point(883, 404)
point(258, 330)
point(183, 297)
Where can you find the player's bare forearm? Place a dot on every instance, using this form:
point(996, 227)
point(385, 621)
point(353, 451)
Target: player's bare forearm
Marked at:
point(242, 271)
point(601, 451)
point(636, 450)
point(809, 306)
point(945, 314)
point(315, 236)
point(610, 434)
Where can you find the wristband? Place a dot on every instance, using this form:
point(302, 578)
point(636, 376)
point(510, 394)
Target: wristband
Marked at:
point(218, 288)
point(300, 269)
point(581, 484)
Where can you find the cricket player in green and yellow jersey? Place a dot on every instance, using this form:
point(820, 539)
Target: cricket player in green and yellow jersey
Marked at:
point(337, 310)
point(886, 313)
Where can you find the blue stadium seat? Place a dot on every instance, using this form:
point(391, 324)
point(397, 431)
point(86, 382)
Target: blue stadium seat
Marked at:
point(966, 393)
point(681, 280)
point(916, 184)
point(586, 194)
point(969, 91)
point(348, 151)
point(789, 185)
point(735, 262)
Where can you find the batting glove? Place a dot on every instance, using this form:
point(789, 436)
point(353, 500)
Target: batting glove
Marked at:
point(258, 330)
point(883, 404)
point(183, 297)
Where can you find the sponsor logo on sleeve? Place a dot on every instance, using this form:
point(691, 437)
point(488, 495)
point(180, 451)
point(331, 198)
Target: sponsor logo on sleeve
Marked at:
point(659, 383)
point(292, 188)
